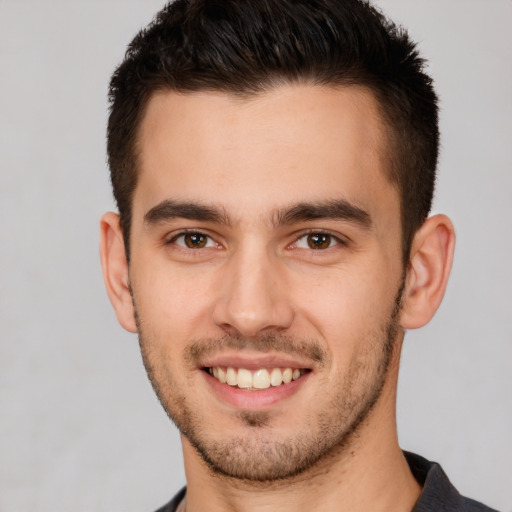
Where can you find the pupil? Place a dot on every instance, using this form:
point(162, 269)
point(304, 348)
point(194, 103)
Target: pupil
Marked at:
point(319, 241)
point(195, 240)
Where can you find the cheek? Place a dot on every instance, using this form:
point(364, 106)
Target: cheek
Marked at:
point(343, 296)
point(348, 310)
point(171, 302)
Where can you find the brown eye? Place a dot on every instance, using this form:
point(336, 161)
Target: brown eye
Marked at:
point(195, 240)
point(319, 240)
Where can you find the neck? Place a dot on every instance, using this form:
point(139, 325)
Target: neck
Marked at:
point(368, 473)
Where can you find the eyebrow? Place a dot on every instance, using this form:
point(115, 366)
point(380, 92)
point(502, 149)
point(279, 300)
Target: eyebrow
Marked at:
point(170, 209)
point(338, 209)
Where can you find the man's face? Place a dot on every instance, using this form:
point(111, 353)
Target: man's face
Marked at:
point(265, 246)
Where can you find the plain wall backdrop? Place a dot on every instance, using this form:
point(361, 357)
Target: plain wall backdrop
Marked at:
point(80, 428)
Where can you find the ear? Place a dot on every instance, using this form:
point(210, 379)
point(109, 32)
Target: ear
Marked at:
point(115, 270)
point(430, 263)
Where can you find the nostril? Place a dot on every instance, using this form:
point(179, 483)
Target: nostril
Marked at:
point(249, 324)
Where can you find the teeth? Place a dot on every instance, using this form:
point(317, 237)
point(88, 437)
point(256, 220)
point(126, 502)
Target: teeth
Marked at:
point(276, 377)
point(244, 379)
point(260, 379)
point(231, 377)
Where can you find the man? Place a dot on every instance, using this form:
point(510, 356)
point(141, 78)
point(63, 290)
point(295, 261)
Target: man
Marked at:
point(274, 163)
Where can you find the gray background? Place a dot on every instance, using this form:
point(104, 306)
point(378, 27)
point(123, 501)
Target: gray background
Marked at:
point(80, 429)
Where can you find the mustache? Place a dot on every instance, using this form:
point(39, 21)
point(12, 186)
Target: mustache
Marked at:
point(271, 342)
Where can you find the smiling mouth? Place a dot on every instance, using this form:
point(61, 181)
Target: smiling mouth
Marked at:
point(262, 378)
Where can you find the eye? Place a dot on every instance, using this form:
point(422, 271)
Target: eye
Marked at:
point(193, 240)
point(316, 241)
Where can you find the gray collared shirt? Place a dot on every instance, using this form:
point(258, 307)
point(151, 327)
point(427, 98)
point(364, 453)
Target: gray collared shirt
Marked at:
point(438, 494)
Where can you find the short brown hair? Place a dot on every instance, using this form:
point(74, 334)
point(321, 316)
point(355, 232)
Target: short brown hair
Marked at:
point(245, 47)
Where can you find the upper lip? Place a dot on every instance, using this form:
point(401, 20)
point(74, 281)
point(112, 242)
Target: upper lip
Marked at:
point(255, 361)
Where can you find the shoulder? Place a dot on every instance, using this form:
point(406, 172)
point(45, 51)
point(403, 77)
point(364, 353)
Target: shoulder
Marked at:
point(172, 506)
point(438, 492)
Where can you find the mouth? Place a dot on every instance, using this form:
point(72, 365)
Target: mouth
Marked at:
point(255, 380)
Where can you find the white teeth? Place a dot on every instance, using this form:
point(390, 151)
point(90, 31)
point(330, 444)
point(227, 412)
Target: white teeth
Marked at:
point(244, 379)
point(231, 376)
point(276, 377)
point(287, 375)
point(260, 379)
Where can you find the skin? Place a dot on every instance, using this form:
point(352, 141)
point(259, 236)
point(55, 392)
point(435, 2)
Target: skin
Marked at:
point(257, 290)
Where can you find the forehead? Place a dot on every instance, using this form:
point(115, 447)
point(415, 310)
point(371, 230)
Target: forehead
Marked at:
point(292, 143)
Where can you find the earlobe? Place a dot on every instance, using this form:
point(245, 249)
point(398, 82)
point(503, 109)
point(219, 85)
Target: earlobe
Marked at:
point(115, 270)
point(429, 268)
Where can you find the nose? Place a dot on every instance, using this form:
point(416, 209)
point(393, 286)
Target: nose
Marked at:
point(252, 298)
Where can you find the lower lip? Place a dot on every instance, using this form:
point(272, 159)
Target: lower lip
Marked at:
point(254, 399)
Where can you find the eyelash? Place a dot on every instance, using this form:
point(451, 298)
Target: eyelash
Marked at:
point(338, 240)
point(183, 233)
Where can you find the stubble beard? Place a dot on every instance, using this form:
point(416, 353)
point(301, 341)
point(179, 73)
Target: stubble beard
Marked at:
point(258, 456)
